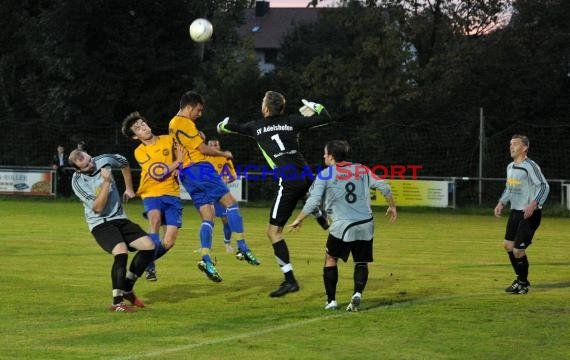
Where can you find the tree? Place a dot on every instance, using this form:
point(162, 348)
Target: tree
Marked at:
point(358, 58)
point(73, 70)
point(410, 75)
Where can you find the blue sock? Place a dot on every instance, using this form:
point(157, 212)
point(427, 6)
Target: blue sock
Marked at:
point(206, 258)
point(159, 250)
point(227, 233)
point(150, 266)
point(155, 239)
point(206, 234)
point(242, 245)
point(235, 219)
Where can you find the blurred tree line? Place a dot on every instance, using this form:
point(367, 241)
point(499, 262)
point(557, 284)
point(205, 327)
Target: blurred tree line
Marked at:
point(404, 79)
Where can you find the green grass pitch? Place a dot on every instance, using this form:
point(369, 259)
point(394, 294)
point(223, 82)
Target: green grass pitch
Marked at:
point(435, 291)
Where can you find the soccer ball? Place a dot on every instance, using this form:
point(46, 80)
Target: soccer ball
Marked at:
point(201, 30)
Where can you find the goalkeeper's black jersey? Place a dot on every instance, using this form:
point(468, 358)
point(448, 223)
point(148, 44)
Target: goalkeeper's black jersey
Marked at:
point(278, 136)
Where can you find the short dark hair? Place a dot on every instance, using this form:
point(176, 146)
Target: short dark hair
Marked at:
point(338, 149)
point(128, 123)
point(275, 102)
point(523, 138)
point(191, 98)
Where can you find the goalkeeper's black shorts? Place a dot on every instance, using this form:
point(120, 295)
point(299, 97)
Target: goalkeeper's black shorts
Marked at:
point(288, 195)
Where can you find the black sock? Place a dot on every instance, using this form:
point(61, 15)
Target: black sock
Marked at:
point(119, 272)
point(330, 278)
point(360, 277)
point(289, 277)
point(522, 269)
point(281, 252)
point(137, 267)
point(513, 262)
point(117, 299)
point(141, 261)
point(130, 282)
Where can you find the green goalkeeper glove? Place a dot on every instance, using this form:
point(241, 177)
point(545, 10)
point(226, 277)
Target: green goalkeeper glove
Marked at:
point(220, 128)
point(309, 108)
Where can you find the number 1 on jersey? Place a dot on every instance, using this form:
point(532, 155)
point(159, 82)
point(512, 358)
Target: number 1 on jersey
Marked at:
point(278, 141)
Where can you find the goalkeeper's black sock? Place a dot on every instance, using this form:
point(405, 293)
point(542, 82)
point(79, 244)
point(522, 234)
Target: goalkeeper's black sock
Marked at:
point(330, 278)
point(289, 277)
point(281, 252)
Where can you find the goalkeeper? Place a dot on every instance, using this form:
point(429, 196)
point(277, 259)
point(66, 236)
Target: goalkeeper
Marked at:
point(277, 136)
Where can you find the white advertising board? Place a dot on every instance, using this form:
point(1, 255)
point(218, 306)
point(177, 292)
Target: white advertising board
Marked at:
point(26, 182)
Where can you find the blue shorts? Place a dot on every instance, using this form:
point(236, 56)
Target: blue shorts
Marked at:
point(220, 209)
point(203, 183)
point(170, 208)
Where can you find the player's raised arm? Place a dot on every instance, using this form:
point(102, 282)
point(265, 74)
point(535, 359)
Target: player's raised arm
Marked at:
point(232, 127)
point(315, 114)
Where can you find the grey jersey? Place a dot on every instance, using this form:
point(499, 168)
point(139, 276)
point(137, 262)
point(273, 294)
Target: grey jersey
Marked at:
point(525, 182)
point(345, 190)
point(88, 186)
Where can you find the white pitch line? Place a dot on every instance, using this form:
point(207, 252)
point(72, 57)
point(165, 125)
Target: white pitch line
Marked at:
point(229, 338)
point(287, 326)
